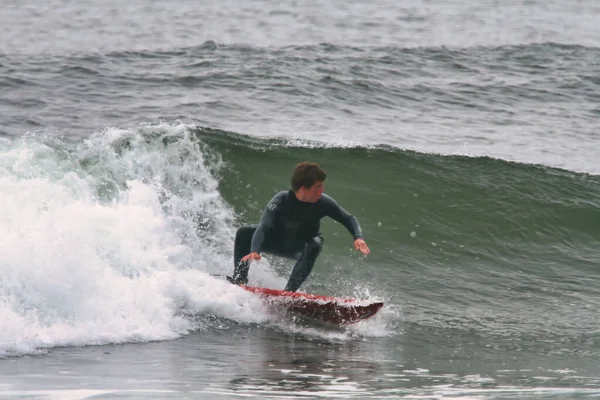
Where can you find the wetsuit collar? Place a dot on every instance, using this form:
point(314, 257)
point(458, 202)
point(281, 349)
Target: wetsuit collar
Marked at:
point(293, 195)
point(294, 198)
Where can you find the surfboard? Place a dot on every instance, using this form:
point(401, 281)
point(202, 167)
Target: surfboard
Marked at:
point(333, 310)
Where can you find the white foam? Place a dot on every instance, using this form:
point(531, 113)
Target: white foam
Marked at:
point(81, 267)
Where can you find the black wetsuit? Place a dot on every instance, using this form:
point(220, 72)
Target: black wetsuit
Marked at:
point(290, 228)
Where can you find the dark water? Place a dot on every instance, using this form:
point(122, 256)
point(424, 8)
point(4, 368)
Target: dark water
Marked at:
point(135, 139)
point(534, 103)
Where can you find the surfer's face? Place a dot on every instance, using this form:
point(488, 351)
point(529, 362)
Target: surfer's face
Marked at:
point(313, 193)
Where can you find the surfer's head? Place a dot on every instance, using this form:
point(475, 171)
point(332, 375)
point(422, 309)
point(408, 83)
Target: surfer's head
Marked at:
point(307, 182)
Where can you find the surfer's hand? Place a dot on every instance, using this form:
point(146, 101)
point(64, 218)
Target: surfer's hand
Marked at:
point(361, 245)
point(251, 256)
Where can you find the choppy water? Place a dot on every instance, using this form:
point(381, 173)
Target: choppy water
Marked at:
point(135, 139)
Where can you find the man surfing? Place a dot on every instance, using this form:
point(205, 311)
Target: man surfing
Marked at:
point(290, 227)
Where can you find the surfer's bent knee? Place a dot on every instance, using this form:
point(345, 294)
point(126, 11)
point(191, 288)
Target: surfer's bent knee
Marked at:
point(315, 244)
point(245, 230)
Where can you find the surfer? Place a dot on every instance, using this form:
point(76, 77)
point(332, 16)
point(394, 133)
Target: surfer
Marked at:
point(290, 227)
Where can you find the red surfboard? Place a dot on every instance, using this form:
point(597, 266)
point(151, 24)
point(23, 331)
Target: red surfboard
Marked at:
point(339, 311)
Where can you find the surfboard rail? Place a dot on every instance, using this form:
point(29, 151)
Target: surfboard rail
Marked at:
point(335, 310)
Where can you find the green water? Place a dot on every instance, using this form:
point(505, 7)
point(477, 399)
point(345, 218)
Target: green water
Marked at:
point(490, 245)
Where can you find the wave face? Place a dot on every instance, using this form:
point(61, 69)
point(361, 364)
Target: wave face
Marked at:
point(492, 245)
point(113, 238)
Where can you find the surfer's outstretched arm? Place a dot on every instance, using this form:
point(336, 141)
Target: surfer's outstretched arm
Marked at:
point(342, 216)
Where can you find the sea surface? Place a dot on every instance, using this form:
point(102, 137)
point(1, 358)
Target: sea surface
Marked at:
point(135, 138)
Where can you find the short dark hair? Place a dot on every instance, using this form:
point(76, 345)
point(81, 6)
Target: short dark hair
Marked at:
point(307, 174)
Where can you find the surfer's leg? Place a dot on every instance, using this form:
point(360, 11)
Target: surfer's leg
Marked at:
point(241, 247)
point(305, 264)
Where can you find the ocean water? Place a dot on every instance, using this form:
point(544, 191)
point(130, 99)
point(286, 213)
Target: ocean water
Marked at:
point(135, 139)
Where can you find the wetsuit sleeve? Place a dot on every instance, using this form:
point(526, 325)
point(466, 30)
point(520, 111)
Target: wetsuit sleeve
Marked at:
point(344, 217)
point(266, 223)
